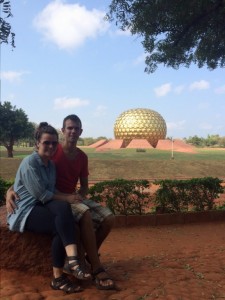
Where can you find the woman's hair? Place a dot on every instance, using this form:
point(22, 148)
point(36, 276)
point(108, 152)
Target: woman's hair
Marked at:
point(42, 128)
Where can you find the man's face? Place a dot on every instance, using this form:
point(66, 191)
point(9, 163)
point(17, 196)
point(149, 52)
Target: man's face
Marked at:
point(71, 131)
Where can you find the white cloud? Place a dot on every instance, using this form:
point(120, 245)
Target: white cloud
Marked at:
point(65, 102)
point(162, 90)
point(12, 75)
point(220, 90)
point(100, 111)
point(199, 85)
point(176, 125)
point(69, 25)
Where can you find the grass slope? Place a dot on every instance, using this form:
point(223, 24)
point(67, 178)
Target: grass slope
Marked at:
point(128, 164)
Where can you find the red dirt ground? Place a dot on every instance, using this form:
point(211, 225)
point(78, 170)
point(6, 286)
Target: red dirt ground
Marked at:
point(175, 262)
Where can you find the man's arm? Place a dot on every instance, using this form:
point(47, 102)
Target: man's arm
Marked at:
point(10, 197)
point(83, 190)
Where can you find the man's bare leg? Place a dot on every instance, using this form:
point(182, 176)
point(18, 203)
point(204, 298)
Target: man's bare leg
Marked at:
point(104, 229)
point(88, 239)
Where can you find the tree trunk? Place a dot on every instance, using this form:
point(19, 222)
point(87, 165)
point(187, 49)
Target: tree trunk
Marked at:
point(10, 153)
point(9, 150)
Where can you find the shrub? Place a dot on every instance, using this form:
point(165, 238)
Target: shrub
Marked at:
point(126, 197)
point(4, 185)
point(182, 195)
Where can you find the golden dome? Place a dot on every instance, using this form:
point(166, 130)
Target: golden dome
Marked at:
point(140, 123)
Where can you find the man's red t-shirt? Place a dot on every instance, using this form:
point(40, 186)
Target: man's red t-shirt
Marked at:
point(69, 171)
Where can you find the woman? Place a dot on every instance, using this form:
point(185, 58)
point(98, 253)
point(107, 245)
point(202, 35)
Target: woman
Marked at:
point(37, 210)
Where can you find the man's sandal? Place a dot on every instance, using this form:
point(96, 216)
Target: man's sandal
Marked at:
point(77, 271)
point(63, 283)
point(99, 277)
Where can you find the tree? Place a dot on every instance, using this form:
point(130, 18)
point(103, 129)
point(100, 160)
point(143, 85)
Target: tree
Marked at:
point(175, 32)
point(212, 140)
point(5, 27)
point(14, 125)
point(196, 141)
point(222, 142)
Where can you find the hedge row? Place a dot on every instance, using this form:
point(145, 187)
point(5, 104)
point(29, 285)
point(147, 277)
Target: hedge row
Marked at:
point(134, 197)
point(129, 197)
point(197, 194)
point(4, 185)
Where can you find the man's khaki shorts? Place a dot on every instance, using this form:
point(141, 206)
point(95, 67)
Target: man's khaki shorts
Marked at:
point(98, 212)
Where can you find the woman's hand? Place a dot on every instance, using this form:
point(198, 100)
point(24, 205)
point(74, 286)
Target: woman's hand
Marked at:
point(11, 196)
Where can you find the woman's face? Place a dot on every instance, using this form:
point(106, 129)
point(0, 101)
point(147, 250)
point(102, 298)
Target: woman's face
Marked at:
point(47, 145)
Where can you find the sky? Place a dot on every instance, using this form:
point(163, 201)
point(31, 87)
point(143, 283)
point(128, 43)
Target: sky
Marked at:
point(69, 60)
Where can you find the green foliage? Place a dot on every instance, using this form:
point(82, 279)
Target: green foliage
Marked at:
point(133, 197)
point(211, 141)
point(14, 125)
point(130, 197)
point(175, 32)
point(221, 207)
point(5, 27)
point(125, 197)
point(182, 195)
point(4, 185)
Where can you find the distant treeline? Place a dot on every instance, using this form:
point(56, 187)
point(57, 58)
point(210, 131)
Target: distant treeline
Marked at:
point(210, 141)
point(81, 142)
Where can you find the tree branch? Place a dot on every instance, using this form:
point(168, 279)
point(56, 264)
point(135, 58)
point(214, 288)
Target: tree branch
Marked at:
point(220, 3)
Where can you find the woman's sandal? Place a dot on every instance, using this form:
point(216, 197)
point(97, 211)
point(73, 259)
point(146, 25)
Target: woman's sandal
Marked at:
point(63, 283)
point(77, 271)
point(98, 280)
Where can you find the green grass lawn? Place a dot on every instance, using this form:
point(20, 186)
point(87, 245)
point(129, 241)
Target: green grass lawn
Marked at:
point(130, 164)
point(202, 154)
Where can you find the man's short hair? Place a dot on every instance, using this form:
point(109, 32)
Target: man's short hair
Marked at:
point(73, 118)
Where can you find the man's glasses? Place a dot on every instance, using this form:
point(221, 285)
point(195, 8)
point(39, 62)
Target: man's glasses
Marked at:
point(48, 143)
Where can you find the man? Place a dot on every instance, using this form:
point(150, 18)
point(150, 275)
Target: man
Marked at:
point(71, 167)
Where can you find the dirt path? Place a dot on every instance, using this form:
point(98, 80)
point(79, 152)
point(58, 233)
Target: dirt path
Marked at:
point(176, 262)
